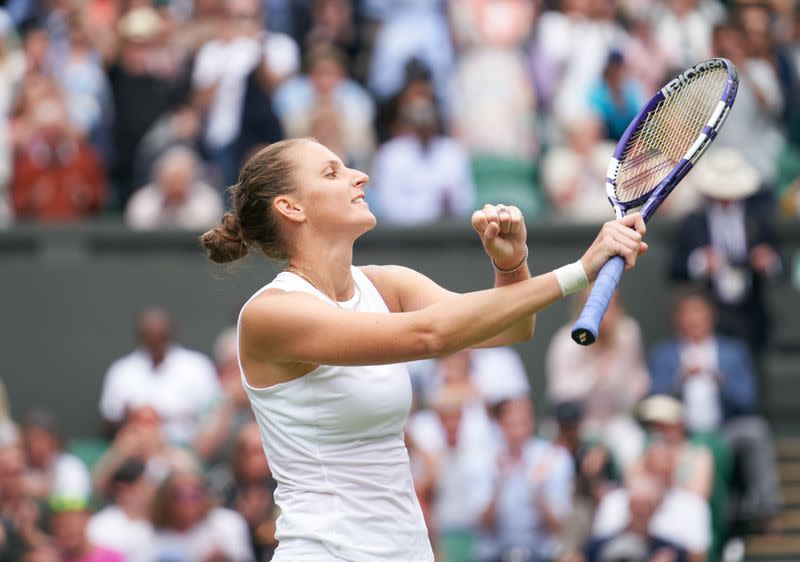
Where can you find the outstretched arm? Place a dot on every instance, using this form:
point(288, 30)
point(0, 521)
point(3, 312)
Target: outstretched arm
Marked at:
point(282, 329)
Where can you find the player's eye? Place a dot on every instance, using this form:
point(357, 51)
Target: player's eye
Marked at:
point(331, 174)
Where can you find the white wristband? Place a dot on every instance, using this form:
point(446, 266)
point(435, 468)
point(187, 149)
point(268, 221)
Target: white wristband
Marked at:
point(571, 278)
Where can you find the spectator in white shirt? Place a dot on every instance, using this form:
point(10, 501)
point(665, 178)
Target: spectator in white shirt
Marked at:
point(221, 74)
point(53, 470)
point(462, 483)
point(533, 484)
point(179, 383)
point(422, 176)
point(176, 198)
point(123, 525)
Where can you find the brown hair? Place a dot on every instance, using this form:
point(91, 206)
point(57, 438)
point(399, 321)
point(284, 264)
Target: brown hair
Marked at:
point(266, 175)
point(161, 514)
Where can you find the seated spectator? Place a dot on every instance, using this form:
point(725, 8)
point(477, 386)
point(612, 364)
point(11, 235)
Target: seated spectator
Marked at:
point(141, 437)
point(333, 22)
point(221, 426)
point(123, 525)
point(176, 198)
point(179, 383)
point(616, 99)
point(421, 176)
point(755, 129)
point(594, 476)
point(250, 490)
point(532, 496)
point(461, 480)
point(608, 378)
point(179, 127)
point(729, 246)
point(498, 373)
point(683, 28)
point(638, 540)
point(713, 376)
point(189, 528)
point(52, 469)
point(411, 32)
point(453, 376)
point(57, 175)
point(142, 92)
point(681, 519)
point(68, 522)
point(21, 513)
point(86, 88)
point(226, 67)
point(572, 174)
point(327, 87)
point(670, 454)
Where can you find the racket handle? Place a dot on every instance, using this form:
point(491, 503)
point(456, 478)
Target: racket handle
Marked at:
point(585, 329)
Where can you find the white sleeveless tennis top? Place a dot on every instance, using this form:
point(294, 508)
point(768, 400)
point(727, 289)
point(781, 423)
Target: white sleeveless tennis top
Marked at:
point(334, 440)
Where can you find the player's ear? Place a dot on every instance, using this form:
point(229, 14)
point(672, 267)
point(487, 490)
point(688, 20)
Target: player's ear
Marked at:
point(290, 208)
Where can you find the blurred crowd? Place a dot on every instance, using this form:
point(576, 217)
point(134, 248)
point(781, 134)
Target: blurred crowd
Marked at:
point(637, 455)
point(146, 108)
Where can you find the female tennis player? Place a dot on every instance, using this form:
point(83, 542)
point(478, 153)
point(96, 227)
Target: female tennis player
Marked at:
point(321, 347)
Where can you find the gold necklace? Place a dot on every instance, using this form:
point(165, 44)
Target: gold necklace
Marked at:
point(296, 270)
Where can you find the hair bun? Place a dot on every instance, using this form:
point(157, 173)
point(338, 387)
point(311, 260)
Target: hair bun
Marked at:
point(225, 242)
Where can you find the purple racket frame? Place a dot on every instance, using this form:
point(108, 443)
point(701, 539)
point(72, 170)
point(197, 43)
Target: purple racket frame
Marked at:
point(585, 329)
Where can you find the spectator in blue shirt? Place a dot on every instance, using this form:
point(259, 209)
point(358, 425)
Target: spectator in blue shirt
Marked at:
point(713, 376)
point(617, 98)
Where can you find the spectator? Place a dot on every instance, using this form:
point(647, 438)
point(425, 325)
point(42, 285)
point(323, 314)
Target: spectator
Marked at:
point(221, 73)
point(140, 90)
point(68, 521)
point(189, 528)
point(422, 176)
point(616, 99)
point(498, 373)
point(53, 471)
point(410, 32)
point(179, 127)
point(57, 175)
point(222, 425)
point(594, 476)
point(647, 59)
point(327, 90)
point(176, 198)
point(608, 378)
point(573, 173)
point(755, 128)
point(141, 438)
point(333, 23)
point(461, 481)
point(638, 540)
point(20, 511)
point(178, 382)
point(683, 469)
point(250, 491)
point(532, 490)
point(12, 68)
point(713, 376)
point(86, 88)
point(729, 246)
point(497, 126)
point(683, 28)
point(123, 524)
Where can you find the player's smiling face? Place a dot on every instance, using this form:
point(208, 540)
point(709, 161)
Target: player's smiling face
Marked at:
point(332, 193)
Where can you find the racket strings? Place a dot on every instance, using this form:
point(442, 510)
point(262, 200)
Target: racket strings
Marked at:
point(666, 134)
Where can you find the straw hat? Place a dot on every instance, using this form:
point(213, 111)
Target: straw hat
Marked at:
point(140, 24)
point(661, 409)
point(725, 174)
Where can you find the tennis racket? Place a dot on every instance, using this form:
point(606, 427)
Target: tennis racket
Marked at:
point(657, 150)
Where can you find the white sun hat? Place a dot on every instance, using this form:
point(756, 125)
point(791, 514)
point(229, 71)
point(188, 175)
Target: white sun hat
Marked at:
point(724, 173)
